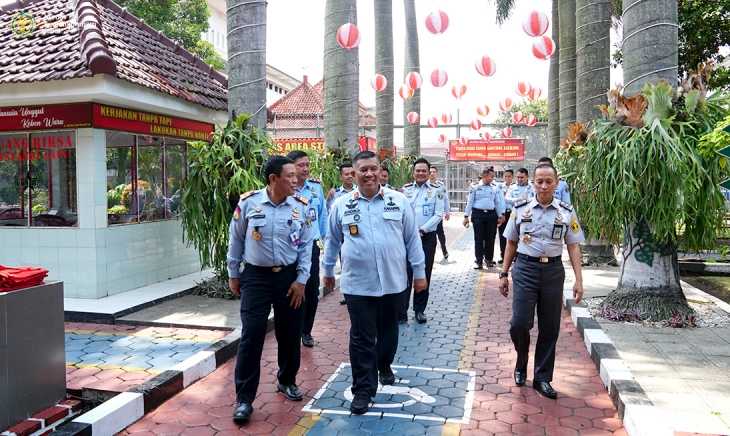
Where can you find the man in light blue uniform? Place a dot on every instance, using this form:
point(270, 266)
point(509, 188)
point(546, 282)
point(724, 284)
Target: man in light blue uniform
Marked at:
point(507, 182)
point(427, 201)
point(317, 215)
point(485, 205)
point(384, 177)
point(347, 177)
point(270, 233)
point(375, 231)
point(562, 192)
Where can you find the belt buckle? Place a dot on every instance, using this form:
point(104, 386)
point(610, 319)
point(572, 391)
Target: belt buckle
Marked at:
point(275, 269)
point(544, 259)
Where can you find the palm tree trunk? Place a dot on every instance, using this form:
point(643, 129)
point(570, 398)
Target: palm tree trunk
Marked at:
point(650, 47)
point(246, 22)
point(567, 64)
point(553, 87)
point(341, 79)
point(384, 65)
point(412, 133)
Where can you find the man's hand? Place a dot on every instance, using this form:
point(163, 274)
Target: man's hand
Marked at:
point(447, 216)
point(296, 294)
point(419, 285)
point(504, 286)
point(578, 292)
point(466, 222)
point(235, 285)
point(329, 283)
point(500, 220)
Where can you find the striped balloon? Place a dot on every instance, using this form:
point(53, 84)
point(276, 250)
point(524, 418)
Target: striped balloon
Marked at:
point(507, 132)
point(439, 78)
point(486, 135)
point(483, 110)
point(517, 117)
point(405, 92)
point(486, 66)
point(458, 91)
point(433, 122)
point(442, 138)
point(531, 120)
point(379, 82)
point(348, 36)
point(475, 125)
point(413, 117)
point(534, 94)
point(414, 80)
point(437, 22)
point(505, 105)
point(543, 48)
point(536, 24)
point(446, 118)
point(523, 88)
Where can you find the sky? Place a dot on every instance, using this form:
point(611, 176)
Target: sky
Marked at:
point(295, 40)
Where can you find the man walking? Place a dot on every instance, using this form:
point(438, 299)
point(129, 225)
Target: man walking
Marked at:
point(277, 267)
point(375, 231)
point(427, 201)
point(311, 190)
point(504, 187)
point(434, 174)
point(485, 205)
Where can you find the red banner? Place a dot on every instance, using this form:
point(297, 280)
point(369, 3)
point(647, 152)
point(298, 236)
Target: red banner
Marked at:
point(499, 149)
point(128, 120)
point(285, 145)
point(55, 116)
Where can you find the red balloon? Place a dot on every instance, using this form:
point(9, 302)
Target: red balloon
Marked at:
point(536, 23)
point(379, 82)
point(442, 138)
point(475, 125)
point(523, 88)
point(534, 94)
point(505, 105)
point(458, 91)
point(405, 92)
point(543, 48)
point(413, 117)
point(517, 117)
point(483, 110)
point(463, 141)
point(486, 66)
point(487, 136)
point(446, 118)
point(437, 22)
point(348, 36)
point(414, 80)
point(439, 78)
point(433, 122)
point(507, 132)
point(531, 120)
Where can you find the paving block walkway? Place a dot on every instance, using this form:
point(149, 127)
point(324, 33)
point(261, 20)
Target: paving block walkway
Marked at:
point(454, 377)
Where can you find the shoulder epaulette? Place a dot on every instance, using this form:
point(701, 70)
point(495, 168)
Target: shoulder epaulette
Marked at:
point(246, 195)
point(566, 206)
point(520, 203)
point(408, 185)
point(315, 181)
point(301, 199)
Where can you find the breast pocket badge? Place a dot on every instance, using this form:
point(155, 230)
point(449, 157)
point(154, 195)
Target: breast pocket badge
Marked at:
point(558, 230)
point(354, 231)
point(294, 238)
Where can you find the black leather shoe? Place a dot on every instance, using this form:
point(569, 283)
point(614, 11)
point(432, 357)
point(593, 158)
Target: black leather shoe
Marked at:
point(291, 392)
point(421, 317)
point(360, 404)
point(520, 377)
point(387, 377)
point(242, 413)
point(478, 266)
point(491, 264)
point(343, 302)
point(544, 389)
point(308, 341)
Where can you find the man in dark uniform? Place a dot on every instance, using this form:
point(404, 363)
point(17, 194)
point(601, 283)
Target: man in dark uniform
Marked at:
point(434, 175)
point(485, 205)
point(270, 233)
point(535, 236)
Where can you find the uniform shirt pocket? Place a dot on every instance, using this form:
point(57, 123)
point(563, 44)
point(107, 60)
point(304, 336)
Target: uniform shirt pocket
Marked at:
point(393, 216)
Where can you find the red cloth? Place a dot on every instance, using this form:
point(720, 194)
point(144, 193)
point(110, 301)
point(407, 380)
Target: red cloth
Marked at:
point(14, 278)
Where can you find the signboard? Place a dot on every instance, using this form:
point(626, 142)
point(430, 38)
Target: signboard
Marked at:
point(725, 152)
point(57, 116)
point(42, 146)
point(285, 145)
point(127, 120)
point(500, 149)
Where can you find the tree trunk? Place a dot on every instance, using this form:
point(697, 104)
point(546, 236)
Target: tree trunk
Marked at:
point(554, 88)
point(384, 65)
point(341, 79)
point(246, 21)
point(650, 51)
point(412, 133)
point(567, 64)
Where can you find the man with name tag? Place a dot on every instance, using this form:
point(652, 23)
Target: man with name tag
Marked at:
point(375, 231)
point(269, 232)
point(485, 205)
point(535, 236)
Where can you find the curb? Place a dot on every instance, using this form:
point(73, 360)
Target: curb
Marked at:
point(640, 416)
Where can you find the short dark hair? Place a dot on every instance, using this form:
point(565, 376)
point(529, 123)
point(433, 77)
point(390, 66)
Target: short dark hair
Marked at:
point(344, 165)
point(545, 165)
point(509, 171)
point(487, 170)
point(545, 159)
point(295, 155)
point(367, 154)
point(523, 171)
point(384, 167)
point(275, 165)
point(422, 160)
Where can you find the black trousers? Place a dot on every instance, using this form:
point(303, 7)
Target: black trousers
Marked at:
point(420, 300)
point(502, 239)
point(485, 229)
point(537, 285)
point(373, 339)
point(442, 238)
point(311, 293)
point(261, 289)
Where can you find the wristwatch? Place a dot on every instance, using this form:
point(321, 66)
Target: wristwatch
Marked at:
point(503, 275)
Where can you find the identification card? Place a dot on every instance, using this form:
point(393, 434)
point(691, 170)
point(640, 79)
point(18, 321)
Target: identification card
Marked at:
point(256, 235)
point(427, 210)
point(353, 230)
point(294, 238)
point(558, 231)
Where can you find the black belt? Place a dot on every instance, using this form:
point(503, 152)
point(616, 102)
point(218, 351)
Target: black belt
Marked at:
point(540, 259)
point(484, 210)
point(274, 269)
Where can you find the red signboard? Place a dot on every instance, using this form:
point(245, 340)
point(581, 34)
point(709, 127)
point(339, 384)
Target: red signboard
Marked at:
point(56, 116)
point(499, 149)
point(285, 145)
point(127, 120)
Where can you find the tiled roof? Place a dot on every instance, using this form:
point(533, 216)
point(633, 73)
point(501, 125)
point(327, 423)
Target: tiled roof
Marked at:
point(108, 40)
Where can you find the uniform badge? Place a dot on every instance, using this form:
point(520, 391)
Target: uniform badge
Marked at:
point(558, 219)
point(353, 230)
point(356, 218)
point(574, 226)
point(526, 238)
point(295, 215)
point(237, 214)
point(558, 231)
point(256, 235)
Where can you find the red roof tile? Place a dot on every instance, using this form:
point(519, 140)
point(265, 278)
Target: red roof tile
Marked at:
point(110, 41)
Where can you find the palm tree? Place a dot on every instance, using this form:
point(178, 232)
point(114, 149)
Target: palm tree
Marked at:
point(412, 133)
point(341, 79)
point(246, 22)
point(553, 87)
point(567, 63)
point(384, 65)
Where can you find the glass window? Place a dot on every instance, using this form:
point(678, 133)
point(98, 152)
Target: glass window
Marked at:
point(174, 175)
point(52, 185)
point(121, 194)
point(150, 182)
point(13, 167)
